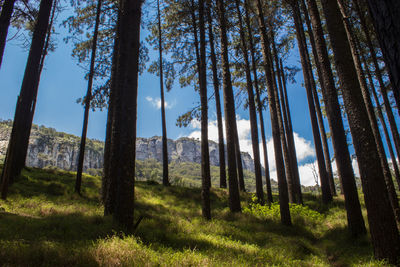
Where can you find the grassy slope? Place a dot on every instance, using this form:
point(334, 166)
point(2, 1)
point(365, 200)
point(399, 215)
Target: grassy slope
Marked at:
point(44, 224)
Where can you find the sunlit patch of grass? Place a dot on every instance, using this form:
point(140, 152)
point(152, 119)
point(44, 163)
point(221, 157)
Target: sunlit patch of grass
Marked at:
point(43, 223)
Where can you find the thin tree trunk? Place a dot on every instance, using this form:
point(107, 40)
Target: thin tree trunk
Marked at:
point(26, 99)
point(229, 110)
point(389, 181)
point(163, 123)
point(24, 149)
point(324, 139)
point(239, 163)
point(310, 84)
point(5, 18)
point(88, 99)
point(252, 110)
point(383, 228)
point(108, 183)
point(282, 184)
point(355, 219)
point(378, 74)
point(282, 116)
point(386, 18)
point(299, 195)
point(221, 146)
point(205, 159)
point(259, 105)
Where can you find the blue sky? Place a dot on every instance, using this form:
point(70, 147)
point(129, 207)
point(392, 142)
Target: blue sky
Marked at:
point(62, 83)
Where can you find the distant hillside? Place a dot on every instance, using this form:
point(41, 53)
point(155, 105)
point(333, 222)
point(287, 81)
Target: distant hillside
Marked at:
point(48, 147)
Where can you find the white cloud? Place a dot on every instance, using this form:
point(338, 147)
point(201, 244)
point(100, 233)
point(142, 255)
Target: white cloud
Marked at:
point(304, 147)
point(156, 103)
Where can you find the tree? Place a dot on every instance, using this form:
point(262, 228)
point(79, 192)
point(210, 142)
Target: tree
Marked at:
point(324, 138)
point(252, 109)
point(310, 84)
point(23, 112)
point(5, 18)
point(205, 159)
point(282, 184)
point(123, 138)
point(378, 74)
point(229, 111)
point(258, 99)
point(163, 123)
point(355, 219)
point(383, 228)
point(87, 102)
point(216, 83)
point(386, 18)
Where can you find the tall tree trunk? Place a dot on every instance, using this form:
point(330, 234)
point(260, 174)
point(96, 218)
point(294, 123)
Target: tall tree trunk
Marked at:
point(386, 18)
point(239, 163)
point(388, 178)
point(382, 119)
point(24, 148)
point(282, 184)
point(5, 18)
point(125, 113)
point(355, 49)
point(163, 122)
point(229, 110)
point(324, 139)
point(205, 159)
point(383, 228)
point(378, 73)
point(282, 130)
point(355, 219)
point(259, 105)
point(221, 146)
point(309, 84)
point(299, 195)
point(88, 99)
point(22, 122)
point(252, 110)
point(286, 143)
point(108, 183)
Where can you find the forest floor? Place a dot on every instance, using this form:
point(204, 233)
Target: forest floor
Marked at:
point(43, 223)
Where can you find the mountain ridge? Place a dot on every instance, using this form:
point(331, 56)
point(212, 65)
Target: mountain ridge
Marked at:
point(48, 147)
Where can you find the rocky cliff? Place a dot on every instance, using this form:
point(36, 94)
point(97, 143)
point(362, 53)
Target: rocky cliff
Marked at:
point(47, 147)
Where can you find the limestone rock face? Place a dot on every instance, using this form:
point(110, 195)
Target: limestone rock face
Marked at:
point(47, 147)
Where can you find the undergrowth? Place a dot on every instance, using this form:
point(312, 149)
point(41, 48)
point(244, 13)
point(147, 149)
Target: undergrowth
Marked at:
point(43, 223)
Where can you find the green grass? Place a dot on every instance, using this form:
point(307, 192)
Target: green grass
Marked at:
point(43, 223)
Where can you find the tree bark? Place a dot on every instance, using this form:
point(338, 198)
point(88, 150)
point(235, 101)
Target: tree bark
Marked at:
point(22, 119)
point(378, 74)
point(252, 110)
point(310, 84)
point(388, 178)
point(163, 121)
point(324, 139)
point(221, 146)
point(355, 219)
point(282, 184)
point(205, 160)
point(259, 105)
point(383, 228)
point(125, 114)
point(229, 110)
point(5, 18)
point(108, 183)
point(88, 99)
point(355, 49)
point(386, 18)
point(291, 137)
